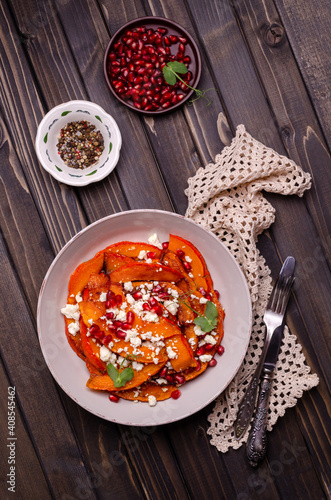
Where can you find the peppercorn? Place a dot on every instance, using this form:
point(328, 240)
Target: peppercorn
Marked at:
point(80, 144)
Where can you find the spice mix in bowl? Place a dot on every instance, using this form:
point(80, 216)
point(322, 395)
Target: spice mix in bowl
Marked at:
point(78, 143)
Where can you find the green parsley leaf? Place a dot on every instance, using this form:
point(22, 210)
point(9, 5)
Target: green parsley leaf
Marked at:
point(178, 67)
point(208, 322)
point(120, 378)
point(169, 76)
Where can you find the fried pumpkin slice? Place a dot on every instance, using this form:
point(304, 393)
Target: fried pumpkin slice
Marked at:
point(160, 392)
point(105, 383)
point(144, 271)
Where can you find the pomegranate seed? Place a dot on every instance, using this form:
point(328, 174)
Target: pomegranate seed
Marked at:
point(217, 293)
point(198, 365)
point(180, 379)
point(118, 323)
point(202, 291)
point(181, 48)
point(165, 245)
point(146, 307)
point(220, 350)
point(99, 335)
point(163, 372)
point(120, 334)
point(201, 351)
point(170, 379)
point(180, 253)
point(118, 300)
point(112, 329)
point(110, 315)
point(176, 394)
point(187, 59)
point(173, 38)
point(126, 326)
point(112, 56)
point(208, 347)
point(94, 329)
point(208, 296)
point(107, 339)
point(152, 301)
point(163, 295)
point(187, 266)
point(151, 255)
point(182, 39)
point(157, 310)
point(113, 398)
point(130, 317)
point(212, 362)
point(157, 289)
point(163, 31)
point(137, 295)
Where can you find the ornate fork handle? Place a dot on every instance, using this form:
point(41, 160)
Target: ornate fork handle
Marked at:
point(257, 440)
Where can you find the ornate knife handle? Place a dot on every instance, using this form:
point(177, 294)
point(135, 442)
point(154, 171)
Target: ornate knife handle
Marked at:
point(257, 440)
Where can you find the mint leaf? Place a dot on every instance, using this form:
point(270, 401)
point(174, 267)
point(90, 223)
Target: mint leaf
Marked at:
point(208, 322)
point(178, 67)
point(203, 323)
point(169, 76)
point(211, 313)
point(120, 378)
point(126, 375)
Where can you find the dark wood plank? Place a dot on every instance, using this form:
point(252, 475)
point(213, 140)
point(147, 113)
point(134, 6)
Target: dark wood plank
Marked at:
point(307, 29)
point(140, 179)
point(36, 392)
point(22, 474)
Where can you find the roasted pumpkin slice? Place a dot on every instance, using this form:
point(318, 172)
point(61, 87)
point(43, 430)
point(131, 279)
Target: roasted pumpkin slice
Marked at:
point(105, 383)
point(133, 250)
point(90, 312)
point(194, 261)
point(114, 261)
point(143, 271)
point(80, 277)
point(160, 392)
point(91, 349)
point(180, 353)
point(74, 340)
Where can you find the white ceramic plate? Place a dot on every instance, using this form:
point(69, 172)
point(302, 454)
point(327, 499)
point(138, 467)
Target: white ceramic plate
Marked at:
point(70, 371)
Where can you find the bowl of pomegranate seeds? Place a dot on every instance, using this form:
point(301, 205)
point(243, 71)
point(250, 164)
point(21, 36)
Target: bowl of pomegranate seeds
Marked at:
point(152, 65)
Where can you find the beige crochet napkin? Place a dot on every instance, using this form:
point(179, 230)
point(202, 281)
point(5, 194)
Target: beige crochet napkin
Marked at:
point(226, 198)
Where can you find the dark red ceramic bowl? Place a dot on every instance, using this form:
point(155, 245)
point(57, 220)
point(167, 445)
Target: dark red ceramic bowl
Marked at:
point(133, 64)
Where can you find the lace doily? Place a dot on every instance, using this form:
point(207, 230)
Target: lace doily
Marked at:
point(226, 198)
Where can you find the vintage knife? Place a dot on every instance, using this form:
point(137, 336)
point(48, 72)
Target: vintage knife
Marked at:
point(278, 299)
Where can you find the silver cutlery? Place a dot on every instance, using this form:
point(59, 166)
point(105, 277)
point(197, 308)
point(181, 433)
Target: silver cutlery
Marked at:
point(274, 321)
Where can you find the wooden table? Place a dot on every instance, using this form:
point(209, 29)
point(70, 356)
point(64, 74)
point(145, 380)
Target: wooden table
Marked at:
point(270, 62)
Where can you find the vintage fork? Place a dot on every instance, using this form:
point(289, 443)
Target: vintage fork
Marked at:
point(273, 318)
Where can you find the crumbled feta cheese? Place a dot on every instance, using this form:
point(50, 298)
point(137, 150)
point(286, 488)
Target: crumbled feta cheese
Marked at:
point(198, 331)
point(191, 342)
point(137, 367)
point(156, 360)
point(154, 240)
point(79, 297)
point(205, 358)
point(171, 306)
point(171, 353)
point(209, 339)
point(203, 300)
point(90, 321)
point(188, 259)
point(173, 292)
point(128, 286)
point(104, 353)
point(121, 316)
point(135, 341)
point(71, 311)
point(150, 316)
point(161, 381)
point(142, 255)
point(73, 328)
point(152, 400)
point(103, 296)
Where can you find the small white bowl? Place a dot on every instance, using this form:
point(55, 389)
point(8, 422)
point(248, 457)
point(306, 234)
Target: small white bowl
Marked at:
point(47, 138)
